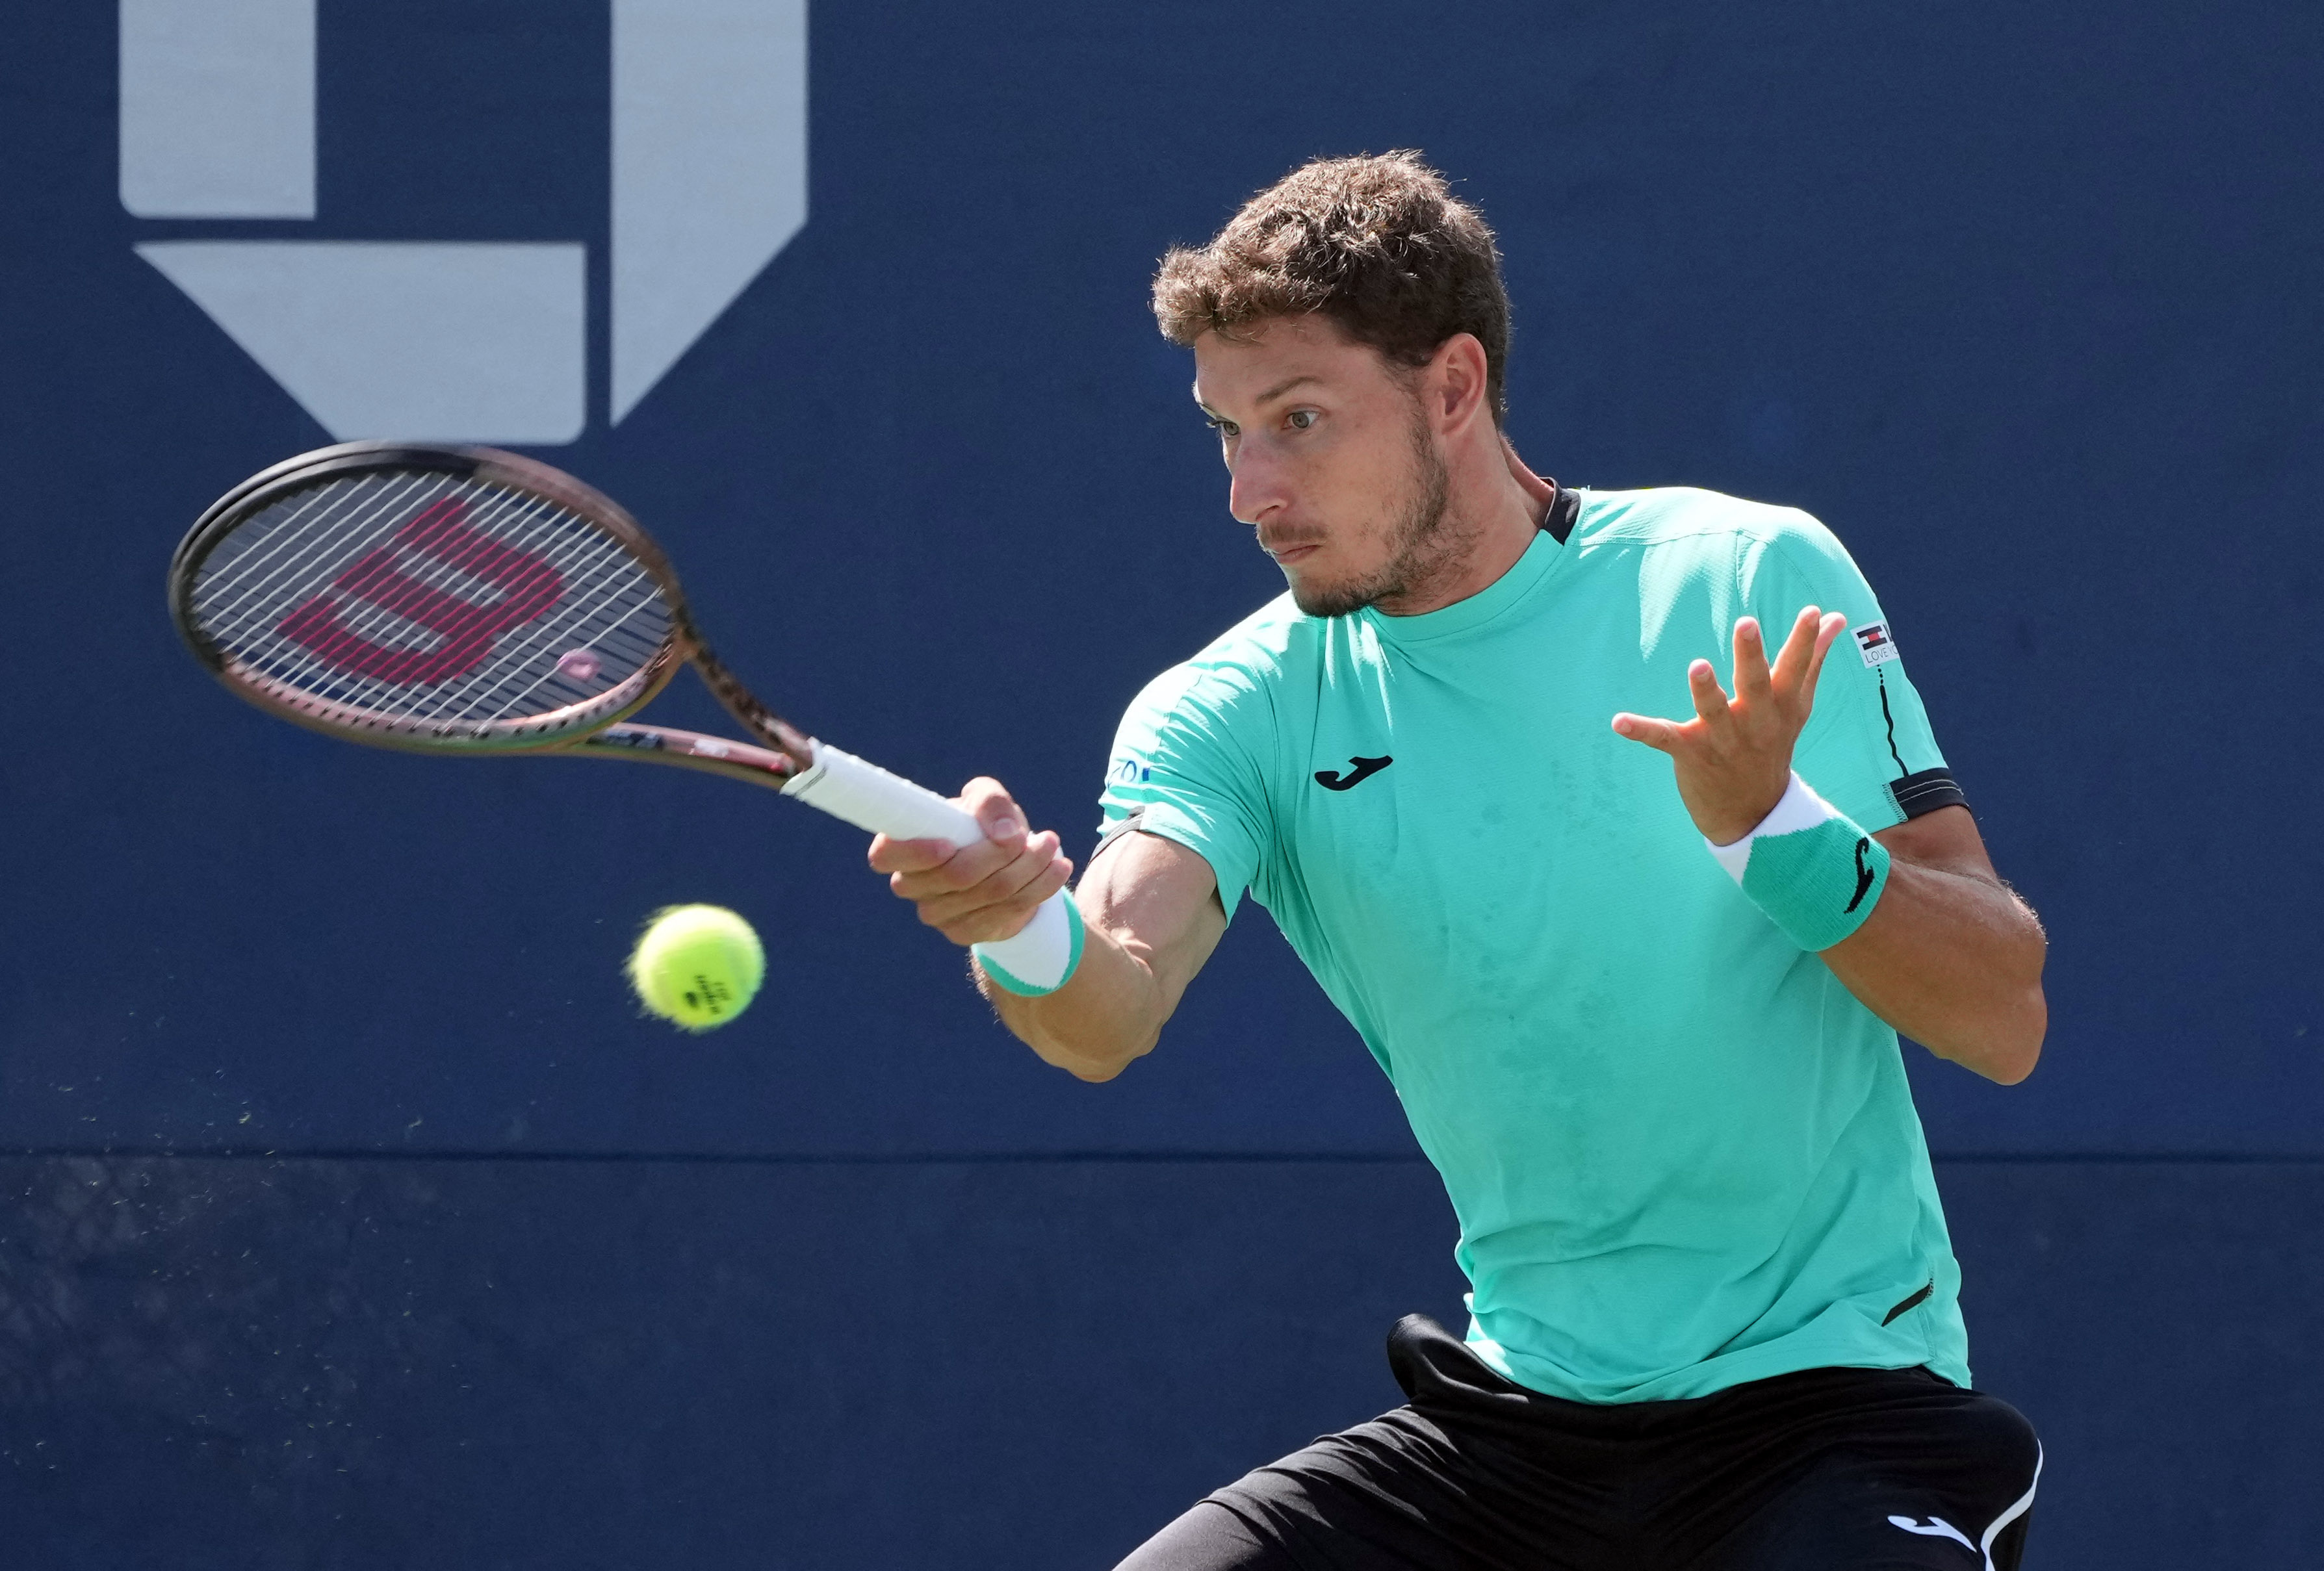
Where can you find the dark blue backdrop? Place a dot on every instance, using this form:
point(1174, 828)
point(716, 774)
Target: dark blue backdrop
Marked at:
point(2025, 304)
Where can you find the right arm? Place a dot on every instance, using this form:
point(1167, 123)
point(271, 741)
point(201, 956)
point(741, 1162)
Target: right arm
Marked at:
point(1151, 906)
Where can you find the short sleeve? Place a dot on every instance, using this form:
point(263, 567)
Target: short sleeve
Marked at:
point(1868, 749)
point(1181, 770)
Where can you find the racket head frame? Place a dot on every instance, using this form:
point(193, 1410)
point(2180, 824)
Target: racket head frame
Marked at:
point(562, 726)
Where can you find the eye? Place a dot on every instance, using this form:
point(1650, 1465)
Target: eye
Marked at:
point(1300, 419)
point(1224, 427)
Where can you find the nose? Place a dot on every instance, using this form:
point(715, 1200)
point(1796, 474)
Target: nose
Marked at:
point(1257, 484)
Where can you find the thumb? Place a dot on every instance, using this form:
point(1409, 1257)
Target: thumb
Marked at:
point(1658, 734)
point(1002, 821)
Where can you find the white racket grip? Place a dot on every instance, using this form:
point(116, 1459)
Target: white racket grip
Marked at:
point(869, 797)
point(1038, 958)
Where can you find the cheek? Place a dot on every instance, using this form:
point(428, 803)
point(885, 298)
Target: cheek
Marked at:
point(1364, 483)
point(1326, 465)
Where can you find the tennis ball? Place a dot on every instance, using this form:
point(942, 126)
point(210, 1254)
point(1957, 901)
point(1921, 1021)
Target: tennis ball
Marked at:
point(697, 966)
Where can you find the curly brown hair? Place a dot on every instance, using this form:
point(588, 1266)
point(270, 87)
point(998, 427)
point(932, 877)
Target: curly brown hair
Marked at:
point(1377, 244)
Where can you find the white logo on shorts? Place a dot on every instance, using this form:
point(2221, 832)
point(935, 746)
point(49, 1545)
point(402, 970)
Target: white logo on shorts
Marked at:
point(1936, 1527)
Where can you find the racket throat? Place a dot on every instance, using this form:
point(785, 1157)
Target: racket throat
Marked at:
point(763, 723)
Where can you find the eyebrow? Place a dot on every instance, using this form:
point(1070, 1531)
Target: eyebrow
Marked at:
point(1268, 396)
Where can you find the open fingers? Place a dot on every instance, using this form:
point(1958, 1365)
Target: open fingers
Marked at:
point(1710, 698)
point(1818, 637)
point(1662, 735)
point(1799, 647)
point(1753, 683)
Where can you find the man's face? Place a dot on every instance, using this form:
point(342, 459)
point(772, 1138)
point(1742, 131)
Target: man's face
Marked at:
point(1332, 461)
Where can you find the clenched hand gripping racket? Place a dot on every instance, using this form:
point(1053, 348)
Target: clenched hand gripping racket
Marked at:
point(463, 600)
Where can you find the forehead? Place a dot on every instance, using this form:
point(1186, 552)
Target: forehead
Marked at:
point(1250, 364)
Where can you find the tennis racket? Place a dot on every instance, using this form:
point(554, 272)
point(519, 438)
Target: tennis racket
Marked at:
point(466, 601)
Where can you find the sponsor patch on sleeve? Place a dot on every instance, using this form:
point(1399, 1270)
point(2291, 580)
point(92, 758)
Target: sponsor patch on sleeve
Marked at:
point(1873, 642)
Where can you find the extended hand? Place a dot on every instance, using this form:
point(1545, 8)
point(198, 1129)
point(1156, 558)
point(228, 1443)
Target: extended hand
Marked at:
point(1734, 757)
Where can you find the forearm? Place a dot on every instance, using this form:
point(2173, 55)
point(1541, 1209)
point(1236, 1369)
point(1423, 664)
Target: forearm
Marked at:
point(1152, 916)
point(1952, 960)
point(1947, 954)
point(1109, 1012)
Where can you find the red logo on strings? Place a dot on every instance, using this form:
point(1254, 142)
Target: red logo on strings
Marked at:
point(465, 632)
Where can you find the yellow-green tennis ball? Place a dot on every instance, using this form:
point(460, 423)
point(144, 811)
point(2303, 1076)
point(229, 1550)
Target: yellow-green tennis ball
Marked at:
point(697, 966)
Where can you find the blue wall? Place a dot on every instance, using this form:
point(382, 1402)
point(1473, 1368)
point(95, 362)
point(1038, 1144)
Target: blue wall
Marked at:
point(2024, 303)
point(239, 1365)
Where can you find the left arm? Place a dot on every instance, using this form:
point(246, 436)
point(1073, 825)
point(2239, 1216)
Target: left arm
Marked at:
point(1948, 956)
point(1951, 956)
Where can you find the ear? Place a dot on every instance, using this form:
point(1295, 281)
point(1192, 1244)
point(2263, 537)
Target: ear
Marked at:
point(1455, 382)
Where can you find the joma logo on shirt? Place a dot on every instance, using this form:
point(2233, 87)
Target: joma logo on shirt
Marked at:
point(1365, 768)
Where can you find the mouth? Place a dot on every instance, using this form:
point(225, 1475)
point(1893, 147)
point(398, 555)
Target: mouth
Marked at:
point(1289, 551)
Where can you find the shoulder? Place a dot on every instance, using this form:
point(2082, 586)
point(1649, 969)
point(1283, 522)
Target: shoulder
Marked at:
point(1711, 529)
point(1209, 722)
point(1236, 671)
point(1666, 515)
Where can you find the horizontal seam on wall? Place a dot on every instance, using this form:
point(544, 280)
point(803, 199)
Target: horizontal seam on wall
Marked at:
point(1036, 1158)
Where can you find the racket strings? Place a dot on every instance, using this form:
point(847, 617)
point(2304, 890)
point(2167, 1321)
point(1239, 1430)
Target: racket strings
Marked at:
point(602, 592)
point(322, 629)
point(267, 563)
point(460, 638)
point(441, 626)
point(429, 601)
point(622, 621)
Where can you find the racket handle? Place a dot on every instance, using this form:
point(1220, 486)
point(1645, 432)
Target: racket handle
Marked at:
point(1039, 956)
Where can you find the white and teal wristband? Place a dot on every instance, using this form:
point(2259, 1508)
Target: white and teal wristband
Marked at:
point(1025, 986)
point(1809, 866)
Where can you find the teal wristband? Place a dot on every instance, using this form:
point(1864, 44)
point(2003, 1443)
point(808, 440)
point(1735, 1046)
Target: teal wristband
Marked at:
point(1811, 869)
point(1002, 979)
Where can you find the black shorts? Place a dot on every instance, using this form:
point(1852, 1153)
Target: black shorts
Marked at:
point(1823, 1470)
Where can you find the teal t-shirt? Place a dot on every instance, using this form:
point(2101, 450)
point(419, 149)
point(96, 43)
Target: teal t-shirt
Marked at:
point(1681, 1154)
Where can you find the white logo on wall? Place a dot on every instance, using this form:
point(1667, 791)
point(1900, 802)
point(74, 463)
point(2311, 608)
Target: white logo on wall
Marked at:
point(453, 340)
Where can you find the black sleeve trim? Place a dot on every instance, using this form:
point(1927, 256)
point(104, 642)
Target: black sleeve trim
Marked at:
point(1925, 791)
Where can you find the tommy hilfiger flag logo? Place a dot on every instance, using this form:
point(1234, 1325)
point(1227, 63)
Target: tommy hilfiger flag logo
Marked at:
point(1873, 641)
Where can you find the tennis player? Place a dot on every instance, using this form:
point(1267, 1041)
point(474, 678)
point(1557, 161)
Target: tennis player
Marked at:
point(1633, 942)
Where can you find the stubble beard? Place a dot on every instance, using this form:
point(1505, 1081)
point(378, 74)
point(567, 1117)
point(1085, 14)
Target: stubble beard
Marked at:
point(1419, 538)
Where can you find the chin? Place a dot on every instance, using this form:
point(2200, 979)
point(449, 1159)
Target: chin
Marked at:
point(1329, 600)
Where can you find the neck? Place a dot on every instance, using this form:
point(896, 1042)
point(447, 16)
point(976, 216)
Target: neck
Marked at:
point(1493, 508)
